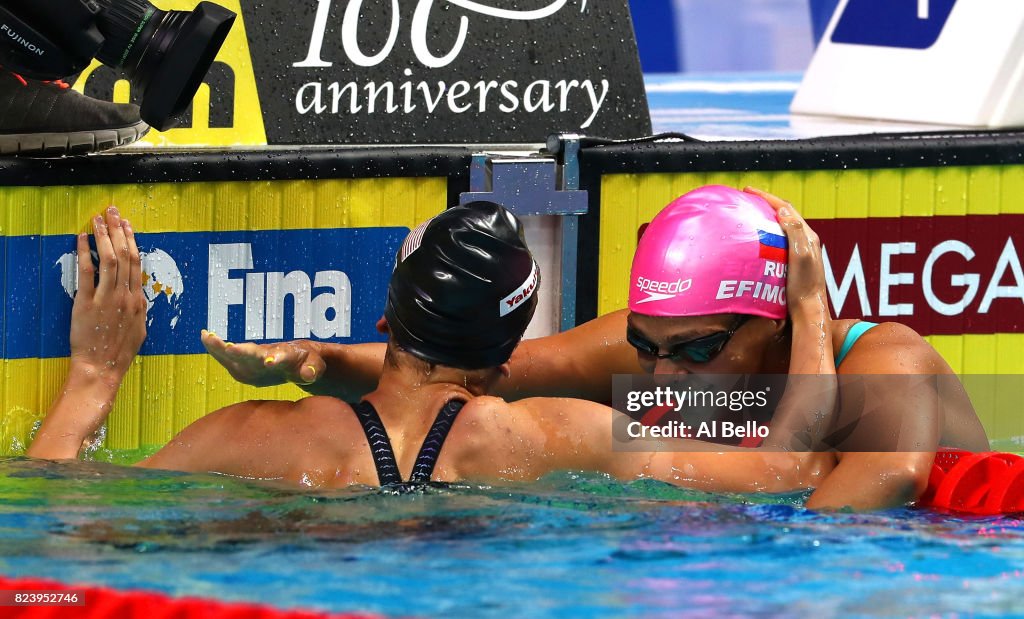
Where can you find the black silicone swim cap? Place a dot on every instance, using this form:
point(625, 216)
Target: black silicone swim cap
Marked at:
point(464, 288)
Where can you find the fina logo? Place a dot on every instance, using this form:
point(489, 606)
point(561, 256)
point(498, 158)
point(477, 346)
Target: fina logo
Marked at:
point(161, 282)
point(893, 23)
point(263, 297)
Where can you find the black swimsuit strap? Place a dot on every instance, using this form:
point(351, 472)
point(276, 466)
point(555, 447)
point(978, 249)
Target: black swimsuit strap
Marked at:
point(380, 444)
point(431, 449)
point(384, 454)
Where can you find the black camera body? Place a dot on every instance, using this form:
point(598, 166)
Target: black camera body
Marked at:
point(48, 46)
point(165, 53)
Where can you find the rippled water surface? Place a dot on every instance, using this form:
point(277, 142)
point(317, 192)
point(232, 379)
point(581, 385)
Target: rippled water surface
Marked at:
point(568, 546)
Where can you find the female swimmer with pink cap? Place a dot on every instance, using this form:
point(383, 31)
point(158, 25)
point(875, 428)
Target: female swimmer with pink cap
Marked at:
point(723, 282)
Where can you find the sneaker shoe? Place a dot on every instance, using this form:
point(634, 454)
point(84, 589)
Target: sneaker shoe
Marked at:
point(50, 119)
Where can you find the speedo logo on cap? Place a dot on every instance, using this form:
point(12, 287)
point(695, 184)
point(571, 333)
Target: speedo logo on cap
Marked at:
point(659, 291)
point(521, 294)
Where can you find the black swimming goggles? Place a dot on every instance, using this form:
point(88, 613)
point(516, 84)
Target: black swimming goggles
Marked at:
point(699, 350)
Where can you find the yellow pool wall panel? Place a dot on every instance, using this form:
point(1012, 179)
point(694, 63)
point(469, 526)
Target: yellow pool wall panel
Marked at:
point(629, 200)
point(164, 393)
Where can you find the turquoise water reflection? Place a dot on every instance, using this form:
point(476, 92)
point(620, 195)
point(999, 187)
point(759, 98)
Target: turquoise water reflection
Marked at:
point(567, 546)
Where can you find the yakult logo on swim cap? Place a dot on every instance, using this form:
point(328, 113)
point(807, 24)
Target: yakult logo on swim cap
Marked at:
point(661, 290)
point(520, 294)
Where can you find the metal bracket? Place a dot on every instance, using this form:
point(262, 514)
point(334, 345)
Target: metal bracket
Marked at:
point(524, 185)
point(538, 185)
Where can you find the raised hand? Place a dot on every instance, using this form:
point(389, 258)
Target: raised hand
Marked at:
point(263, 365)
point(805, 281)
point(108, 326)
point(108, 319)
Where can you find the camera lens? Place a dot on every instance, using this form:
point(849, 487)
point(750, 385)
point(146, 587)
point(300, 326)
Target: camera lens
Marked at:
point(165, 53)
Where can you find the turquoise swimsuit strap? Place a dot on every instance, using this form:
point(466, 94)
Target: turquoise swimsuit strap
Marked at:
point(857, 330)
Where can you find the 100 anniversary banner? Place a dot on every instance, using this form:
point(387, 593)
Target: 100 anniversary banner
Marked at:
point(412, 72)
point(445, 70)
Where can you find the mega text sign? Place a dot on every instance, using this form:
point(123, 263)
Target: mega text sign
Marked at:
point(942, 275)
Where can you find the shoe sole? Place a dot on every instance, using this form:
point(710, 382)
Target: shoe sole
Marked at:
point(70, 143)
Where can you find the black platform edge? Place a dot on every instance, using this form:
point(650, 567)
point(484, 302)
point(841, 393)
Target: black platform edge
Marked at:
point(277, 164)
point(588, 248)
point(869, 151)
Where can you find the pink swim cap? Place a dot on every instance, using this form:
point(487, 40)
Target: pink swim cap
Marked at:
point(714, 250)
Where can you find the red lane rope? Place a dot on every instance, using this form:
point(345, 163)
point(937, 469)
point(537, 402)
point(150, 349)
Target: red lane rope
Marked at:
point(110, 603)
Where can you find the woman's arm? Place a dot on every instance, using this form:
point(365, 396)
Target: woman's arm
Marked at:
point(345, 371)
point(900, 410)
point(108, 326)
point(808, 407)
point(576, 363)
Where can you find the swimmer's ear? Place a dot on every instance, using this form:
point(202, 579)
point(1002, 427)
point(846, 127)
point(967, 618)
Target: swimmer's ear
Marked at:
point(781, 327)
point(382, 326)
point(505, 369)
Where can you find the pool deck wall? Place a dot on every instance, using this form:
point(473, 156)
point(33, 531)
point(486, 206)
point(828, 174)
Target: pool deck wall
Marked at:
point(289, 206)
point(864, 192)
point(307, 211)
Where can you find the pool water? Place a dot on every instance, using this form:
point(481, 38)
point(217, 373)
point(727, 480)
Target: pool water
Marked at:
point(567, 546)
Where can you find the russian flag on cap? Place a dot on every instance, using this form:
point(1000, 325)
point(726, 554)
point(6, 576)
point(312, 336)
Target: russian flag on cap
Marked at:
point(772, 246)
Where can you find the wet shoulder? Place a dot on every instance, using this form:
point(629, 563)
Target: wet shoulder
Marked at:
point(483, 414)
point(542, 421)
point(488, 426)
point(525, 439)
point(298, 414)
point(327, 443)
point(889, 348)
point(270, 440)
point(521, 415)
point(315, 426)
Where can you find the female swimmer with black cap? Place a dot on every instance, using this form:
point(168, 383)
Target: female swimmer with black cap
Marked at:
point(724, 247)
point(462, 293)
